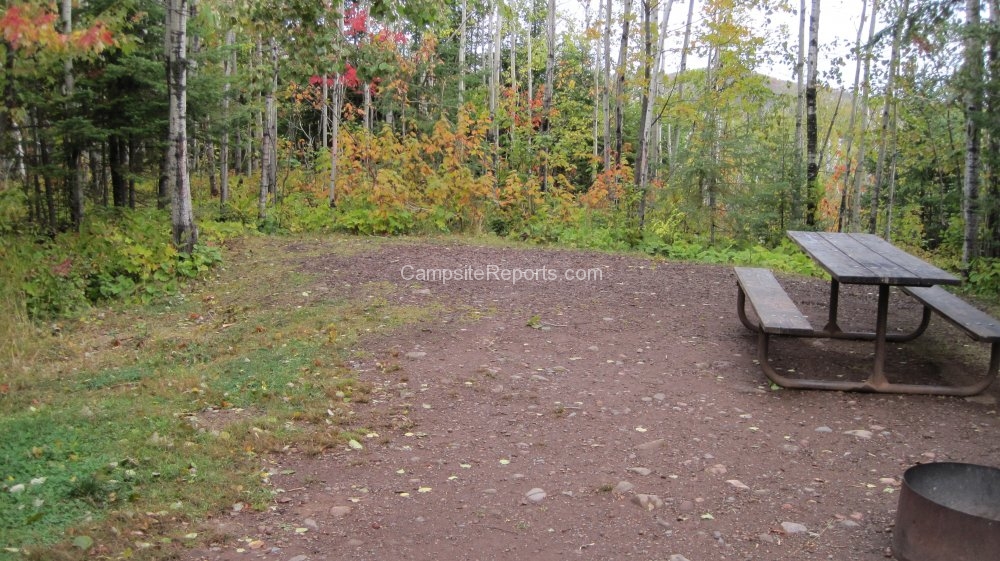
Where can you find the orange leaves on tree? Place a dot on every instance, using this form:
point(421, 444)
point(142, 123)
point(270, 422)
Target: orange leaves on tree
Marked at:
point(34, 28)
point(26, 25)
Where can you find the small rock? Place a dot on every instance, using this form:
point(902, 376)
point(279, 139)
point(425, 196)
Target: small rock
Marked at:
point(687, 506)
point(652, 445)
point(659, 396)
point(717, 469)
point(648, 502)
point(15, 489)
point(862, 434)
point(640, 470)
point(982, 399)
point(299, 558)
point(535, 495)
point(355, 542)
point(790, 448)
point(416, 354)
point(339, 511)
point(623, 487)
point(849, 524)
point(738, 484)
point(310, 523)
point(823, 428)
point(677, 557)
point(766, 538)
point(793, 528)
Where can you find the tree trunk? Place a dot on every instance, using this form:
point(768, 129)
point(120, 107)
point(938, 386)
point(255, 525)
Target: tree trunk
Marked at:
point(674, 142)
point(973, 101)
point(269, 140)
point(854, 114)
point(993, 150)
point(119, 181)
point(649, 102)
point(887, 111)
point(596, 75)
point(461, 53)
point(71, 147)
point(800, 107)
point(338, 106)
point(227, 70)
point(550, 70)
point(620, 79)
point(606, 92)
point(859, 170)
point(812, 130)
point(133, 170)
point(494, 87)
point(185, 233)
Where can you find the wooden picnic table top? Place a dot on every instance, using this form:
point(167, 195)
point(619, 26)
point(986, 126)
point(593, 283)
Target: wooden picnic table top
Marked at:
point(868, 259)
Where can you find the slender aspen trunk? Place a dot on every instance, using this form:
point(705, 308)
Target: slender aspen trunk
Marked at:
point(973, 101)
point(227, 70)
point(531, 78)
point(649, 102)
point(887, 112)
point(324, 113)
point(550, 69)
point(338, 107)
point(859, 170)
point(620, 81)
point(800, 110)
point(185, 232)
point(992, 214)
point(854, 114)
point(606, 92)
point(461, 53)
point(674, 141)
point(515, 105)
point(74, 184)
point(812, 128)
point(494, 97)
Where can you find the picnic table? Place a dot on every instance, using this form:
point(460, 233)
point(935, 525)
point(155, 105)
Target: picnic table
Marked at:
point(869, 260)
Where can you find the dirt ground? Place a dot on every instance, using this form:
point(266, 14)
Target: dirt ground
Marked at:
point(619, 417)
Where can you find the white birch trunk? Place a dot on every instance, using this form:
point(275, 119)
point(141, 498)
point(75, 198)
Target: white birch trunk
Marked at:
point(973, 101)
point(185, 233)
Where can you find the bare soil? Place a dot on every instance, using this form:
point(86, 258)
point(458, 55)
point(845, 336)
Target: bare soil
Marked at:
point(622, 417)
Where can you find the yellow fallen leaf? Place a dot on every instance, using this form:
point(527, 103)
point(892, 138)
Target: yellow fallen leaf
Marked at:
point(424, 490)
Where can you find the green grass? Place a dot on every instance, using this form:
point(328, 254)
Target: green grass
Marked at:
point(103, 417)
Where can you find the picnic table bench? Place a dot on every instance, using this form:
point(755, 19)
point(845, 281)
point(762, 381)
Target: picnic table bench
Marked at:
point(862, 259)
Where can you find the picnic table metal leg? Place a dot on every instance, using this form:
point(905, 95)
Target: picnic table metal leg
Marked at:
point(831, 324)
point(878, 379)
point(741, 304)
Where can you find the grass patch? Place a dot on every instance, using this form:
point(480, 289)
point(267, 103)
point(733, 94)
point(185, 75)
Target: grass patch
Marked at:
point(126, 425)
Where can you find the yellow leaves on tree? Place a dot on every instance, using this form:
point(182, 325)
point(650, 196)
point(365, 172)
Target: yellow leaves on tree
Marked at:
point(425, 180)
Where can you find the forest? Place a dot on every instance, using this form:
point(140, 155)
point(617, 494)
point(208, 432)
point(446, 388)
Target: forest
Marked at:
point(136, 135)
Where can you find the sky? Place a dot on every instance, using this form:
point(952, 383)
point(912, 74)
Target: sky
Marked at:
point(838, 28)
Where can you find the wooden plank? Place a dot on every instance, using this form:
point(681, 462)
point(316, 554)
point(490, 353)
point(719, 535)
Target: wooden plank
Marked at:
point(882, 270)
point(920, 269)
point(977, 323)
point(832, 259)
point(776, 311)
point(868, 259)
